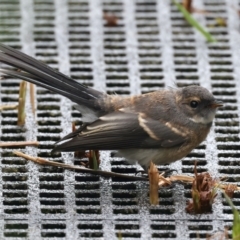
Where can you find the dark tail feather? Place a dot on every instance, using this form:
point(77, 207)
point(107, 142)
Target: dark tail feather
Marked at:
point(39, 73)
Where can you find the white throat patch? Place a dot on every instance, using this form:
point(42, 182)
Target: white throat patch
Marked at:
point(204, 120)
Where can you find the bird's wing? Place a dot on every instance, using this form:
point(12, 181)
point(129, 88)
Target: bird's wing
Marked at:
point(123, 129)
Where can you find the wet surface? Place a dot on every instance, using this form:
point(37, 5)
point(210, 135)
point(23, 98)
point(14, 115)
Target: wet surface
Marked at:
point(151, 47)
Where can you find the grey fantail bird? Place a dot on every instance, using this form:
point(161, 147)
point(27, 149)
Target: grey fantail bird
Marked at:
point(161, 126)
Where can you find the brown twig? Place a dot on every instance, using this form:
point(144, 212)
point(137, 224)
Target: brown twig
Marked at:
point(169, 180)
point(43, 161)
point(19, 144)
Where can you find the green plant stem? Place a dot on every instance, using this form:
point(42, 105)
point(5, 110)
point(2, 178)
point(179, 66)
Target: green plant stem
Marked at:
point(193, 22)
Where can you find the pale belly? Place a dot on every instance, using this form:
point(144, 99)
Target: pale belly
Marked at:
point(157, 156)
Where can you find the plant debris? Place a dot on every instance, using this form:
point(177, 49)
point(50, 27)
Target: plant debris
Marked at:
point(219, 235)
point(153, 176)
point(221, 22)
point(111, 20)
point(93, 155)
point(107, 174)
point(162, 181)
point(78, 154)
point(187, 15)
point(21, 103)
point(32, 98)
point(230, 189)
point(19, 144)
point(93, 158)
point(8, 107)
point(188, 5)
point(204, 192)
point(236, 219)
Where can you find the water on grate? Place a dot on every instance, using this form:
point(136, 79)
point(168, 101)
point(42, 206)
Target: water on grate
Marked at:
point(151, 47)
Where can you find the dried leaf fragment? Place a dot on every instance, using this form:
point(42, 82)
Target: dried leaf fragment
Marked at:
point(111, 20)
point(153, 175)
point(219, 235)
point(230, 189)
point(203, 193)
point(221, 22)
point(188, 5)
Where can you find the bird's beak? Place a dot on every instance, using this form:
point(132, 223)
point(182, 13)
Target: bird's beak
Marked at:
point(216, 104)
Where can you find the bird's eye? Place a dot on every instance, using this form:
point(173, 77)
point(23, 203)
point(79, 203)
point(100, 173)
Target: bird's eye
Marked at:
point(193, 104)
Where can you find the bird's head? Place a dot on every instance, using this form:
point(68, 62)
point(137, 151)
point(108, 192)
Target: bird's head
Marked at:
point(197, 103)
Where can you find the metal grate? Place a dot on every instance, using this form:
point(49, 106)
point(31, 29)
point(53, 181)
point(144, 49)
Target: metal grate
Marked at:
point(151, 47)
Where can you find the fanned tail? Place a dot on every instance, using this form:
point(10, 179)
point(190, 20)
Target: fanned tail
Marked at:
point(39, 73)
